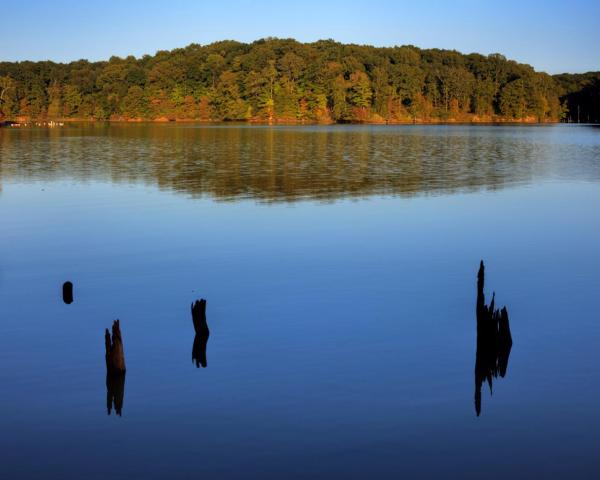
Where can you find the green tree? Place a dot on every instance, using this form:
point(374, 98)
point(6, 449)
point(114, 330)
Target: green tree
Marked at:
point(72, 100)
point(215, 64)
point(8, 97)
point(227, 102)
point(382, 91)
point(360, 90)
point(135, 104)
point(291, 66)
point(512, 100)
point(257, 92)
point(54, 101)
point(338, 91)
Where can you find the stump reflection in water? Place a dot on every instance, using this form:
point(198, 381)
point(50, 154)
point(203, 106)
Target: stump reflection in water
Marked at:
point(202, 333)
point(115, 369)
point(115, 392)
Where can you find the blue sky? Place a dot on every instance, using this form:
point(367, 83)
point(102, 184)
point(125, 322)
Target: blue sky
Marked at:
point(554, 36)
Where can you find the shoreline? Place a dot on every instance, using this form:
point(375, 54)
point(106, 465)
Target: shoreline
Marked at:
point(28, 123)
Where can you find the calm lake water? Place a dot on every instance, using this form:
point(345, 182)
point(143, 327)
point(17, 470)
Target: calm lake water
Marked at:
point(340, 268)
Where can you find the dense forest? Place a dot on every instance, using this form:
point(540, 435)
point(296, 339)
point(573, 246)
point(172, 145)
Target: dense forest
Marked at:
point(282, 80)
point(581, 96)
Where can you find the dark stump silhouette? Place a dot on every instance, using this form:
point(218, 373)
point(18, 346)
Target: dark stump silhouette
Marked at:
point(115, 355)
point(115, 369)
point(202, 333)
point(494, 340)
point(67, 292)
point(115, 391)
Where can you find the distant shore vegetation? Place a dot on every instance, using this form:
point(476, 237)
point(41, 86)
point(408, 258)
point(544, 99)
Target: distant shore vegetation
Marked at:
point(285, 81)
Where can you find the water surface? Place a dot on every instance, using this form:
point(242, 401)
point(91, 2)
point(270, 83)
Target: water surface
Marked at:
point(339, 266)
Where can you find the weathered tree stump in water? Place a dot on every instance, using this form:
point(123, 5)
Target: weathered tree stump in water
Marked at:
point(67, 292)
point(494, 340)
point(202, 333)
point(115, 355)
point(199, 316)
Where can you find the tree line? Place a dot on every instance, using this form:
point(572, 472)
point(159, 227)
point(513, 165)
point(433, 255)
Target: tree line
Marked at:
point(282, 80)
point(581, 96)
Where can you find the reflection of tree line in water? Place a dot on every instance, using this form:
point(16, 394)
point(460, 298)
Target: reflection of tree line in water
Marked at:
point(494, 343)
point(280, 164)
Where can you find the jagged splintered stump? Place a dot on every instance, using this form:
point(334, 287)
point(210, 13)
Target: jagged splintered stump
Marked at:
point(494, 340)
point(67, 292)
point(115, 355)
point(202, 333)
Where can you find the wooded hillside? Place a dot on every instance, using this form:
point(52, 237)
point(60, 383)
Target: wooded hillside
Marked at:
point(282, 80)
